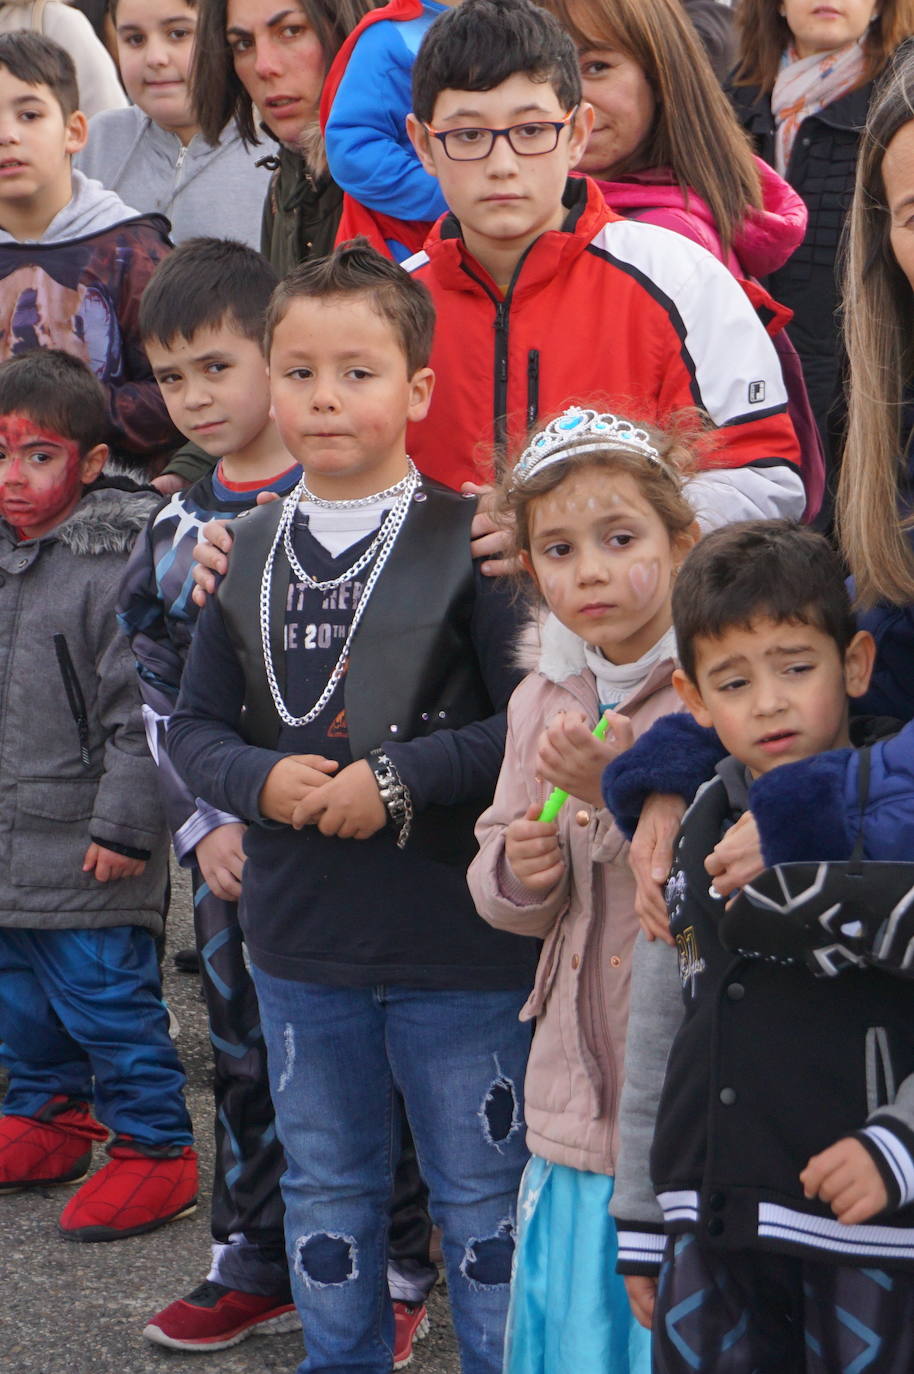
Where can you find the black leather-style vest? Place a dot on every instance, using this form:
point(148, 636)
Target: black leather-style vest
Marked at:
point(412, 669)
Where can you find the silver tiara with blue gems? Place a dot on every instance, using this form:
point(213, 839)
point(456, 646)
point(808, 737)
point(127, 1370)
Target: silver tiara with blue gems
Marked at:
point(583, 431)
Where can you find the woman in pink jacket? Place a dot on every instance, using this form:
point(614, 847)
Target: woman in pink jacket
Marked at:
point(667, 148)
point(601, 525)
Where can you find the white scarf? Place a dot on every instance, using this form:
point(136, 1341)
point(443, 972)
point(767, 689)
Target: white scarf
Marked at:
point(617, 682)
point(806, 85)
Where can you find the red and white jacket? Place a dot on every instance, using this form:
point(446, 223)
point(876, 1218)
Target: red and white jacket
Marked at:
point(614, 313)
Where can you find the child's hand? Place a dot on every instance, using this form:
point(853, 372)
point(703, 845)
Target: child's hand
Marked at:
point(108, 866)
point(289, 782)
point(211, 559)
point(169, 483)
point(572, 758)
point(211, 553)
point(220, 858)
point(845, 1176)
point(532, 851)
point(348, 806)
point(642, 1294)
point(487, 539)
point(737, 859)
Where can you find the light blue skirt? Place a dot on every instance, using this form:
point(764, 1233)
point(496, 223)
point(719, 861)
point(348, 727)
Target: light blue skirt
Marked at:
point(569, 1313)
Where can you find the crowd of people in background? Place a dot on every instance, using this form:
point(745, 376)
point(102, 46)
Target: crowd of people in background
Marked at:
point(455, 500)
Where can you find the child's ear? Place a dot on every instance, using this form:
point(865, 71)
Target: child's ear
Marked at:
point(77, 132)
point(422, 143)
point(526, 563)
point(684, 543)
point(859, 658)
point(90, 466)
point(421, 385)
point(691, 698)
point(581, 130)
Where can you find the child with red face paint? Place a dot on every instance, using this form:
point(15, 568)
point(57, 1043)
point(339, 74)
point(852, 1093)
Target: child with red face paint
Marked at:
point(82, 857)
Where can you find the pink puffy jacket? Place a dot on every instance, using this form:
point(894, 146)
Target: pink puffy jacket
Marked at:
point(588, 923)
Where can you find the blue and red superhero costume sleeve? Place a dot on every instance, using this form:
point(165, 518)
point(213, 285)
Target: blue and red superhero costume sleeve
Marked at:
point(366, 96)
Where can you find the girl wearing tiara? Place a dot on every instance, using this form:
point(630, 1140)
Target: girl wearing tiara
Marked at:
point(601, 526)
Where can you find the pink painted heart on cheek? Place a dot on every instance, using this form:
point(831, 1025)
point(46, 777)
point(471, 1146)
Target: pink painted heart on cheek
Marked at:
point(644, 579)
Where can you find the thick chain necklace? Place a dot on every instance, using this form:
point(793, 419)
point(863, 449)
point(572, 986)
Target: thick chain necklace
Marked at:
point(380, 548)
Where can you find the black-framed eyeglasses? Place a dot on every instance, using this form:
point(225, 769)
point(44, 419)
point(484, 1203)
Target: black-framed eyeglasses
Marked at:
point(530, 139)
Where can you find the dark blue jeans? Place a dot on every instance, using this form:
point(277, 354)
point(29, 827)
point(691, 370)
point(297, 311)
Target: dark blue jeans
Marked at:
point(336, 1056)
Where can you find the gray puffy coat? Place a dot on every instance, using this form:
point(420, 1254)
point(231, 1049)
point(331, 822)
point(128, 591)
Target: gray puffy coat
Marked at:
point(66, 781)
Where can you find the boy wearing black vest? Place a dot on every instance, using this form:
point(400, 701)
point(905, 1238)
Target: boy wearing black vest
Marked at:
point(774, 1227)
point(347, 684)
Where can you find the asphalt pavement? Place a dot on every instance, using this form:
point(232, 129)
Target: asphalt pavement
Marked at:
point(70, 1308)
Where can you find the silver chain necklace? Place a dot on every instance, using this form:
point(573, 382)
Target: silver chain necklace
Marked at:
point(355, 502)
point(381, 547)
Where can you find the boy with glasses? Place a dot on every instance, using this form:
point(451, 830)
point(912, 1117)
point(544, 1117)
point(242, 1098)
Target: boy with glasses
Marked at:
point(545, 297)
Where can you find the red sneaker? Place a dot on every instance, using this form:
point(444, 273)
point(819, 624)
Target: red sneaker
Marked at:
point(137, 1191)
point(53, 1147)
point(410, 1325)
point(213, 1317)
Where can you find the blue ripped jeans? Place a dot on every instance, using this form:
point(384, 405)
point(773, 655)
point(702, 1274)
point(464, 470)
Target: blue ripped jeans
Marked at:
point(335, 1057)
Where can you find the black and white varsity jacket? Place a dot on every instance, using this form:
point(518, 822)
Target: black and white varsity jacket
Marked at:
point(755, 1066)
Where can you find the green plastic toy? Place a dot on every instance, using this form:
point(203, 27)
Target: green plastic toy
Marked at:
point(557, 798)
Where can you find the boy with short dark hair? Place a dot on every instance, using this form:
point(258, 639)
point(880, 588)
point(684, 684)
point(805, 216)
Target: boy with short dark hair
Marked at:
point(545, 296)
point(781, 1139)
point(83, 862)
point(73, 258)
point(201, 321)
point(349, 683)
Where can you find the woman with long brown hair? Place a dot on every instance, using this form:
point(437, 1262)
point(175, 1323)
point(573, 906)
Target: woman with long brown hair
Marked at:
point(875, 511)
point(666, 148)
point(263, 67)
point(665, 145)
point(802, 86)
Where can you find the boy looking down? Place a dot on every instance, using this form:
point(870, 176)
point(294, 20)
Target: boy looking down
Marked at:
point(774, 1228)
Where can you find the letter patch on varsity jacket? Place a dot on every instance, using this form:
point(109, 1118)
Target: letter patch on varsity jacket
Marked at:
point(691, 964)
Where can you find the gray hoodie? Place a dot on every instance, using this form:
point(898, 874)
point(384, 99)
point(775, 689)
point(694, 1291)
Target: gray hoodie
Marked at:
point(201, 189)
point(90, 210)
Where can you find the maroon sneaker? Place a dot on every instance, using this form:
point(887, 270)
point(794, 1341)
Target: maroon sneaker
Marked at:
point(53, 1147)
point(139, 1190)
point(410, 1325)
point(214, 1317)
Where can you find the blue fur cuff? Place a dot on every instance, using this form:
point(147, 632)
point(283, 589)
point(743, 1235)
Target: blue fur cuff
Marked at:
point(801, 812)
point(675, 755)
